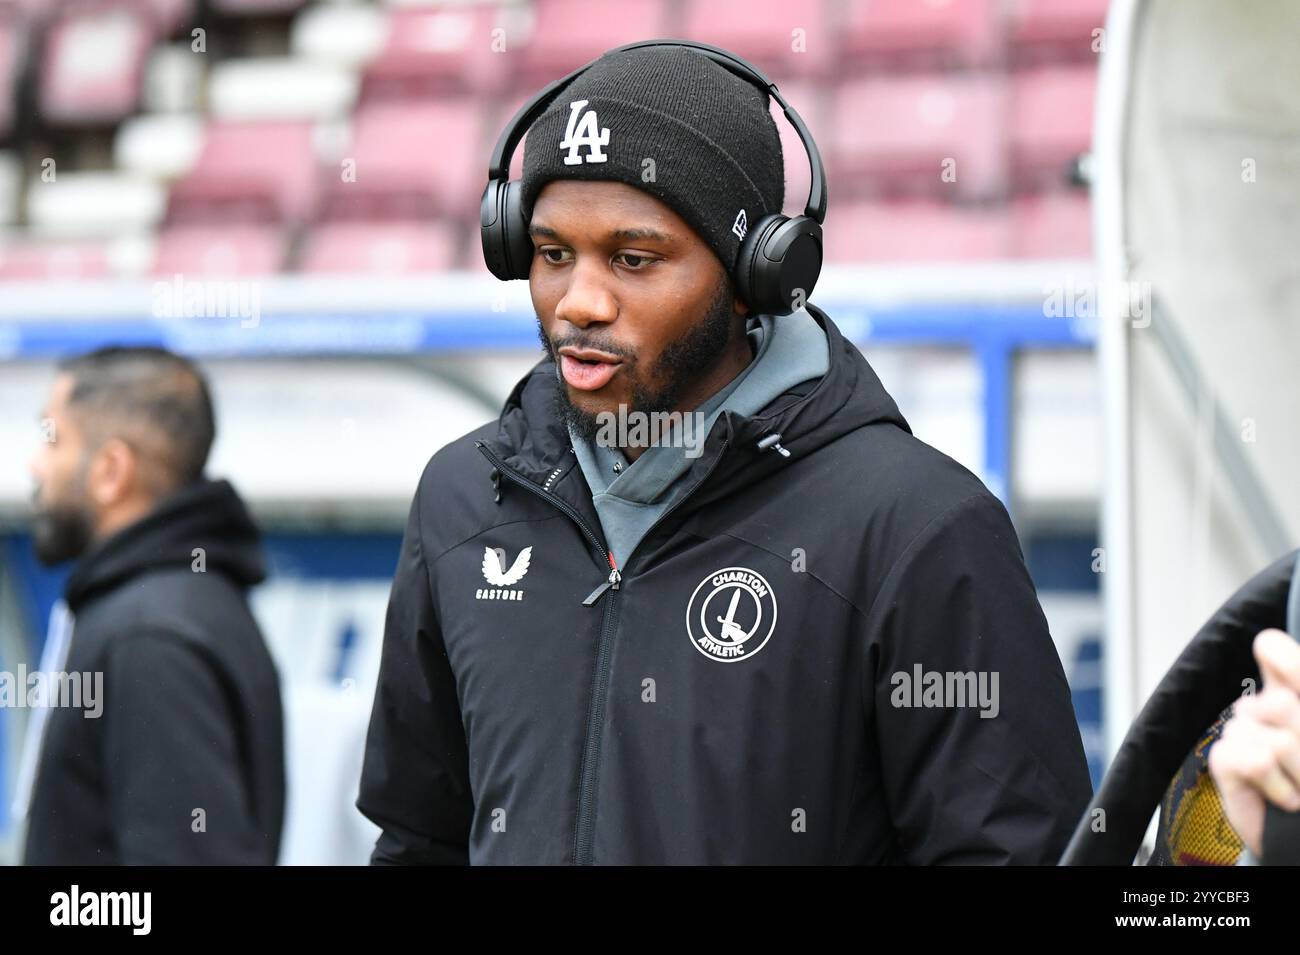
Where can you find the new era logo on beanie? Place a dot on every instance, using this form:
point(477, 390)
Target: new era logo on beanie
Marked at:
point(671, 122)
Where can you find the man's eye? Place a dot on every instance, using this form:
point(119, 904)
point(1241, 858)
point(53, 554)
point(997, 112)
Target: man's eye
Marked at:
point(546, 253)
point(634, 261)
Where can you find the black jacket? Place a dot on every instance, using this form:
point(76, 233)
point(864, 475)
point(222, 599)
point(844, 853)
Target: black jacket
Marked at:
point(568, 713)
point(191, 701)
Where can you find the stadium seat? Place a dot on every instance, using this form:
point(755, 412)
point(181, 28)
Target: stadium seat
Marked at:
point(896, 135)
point(1056, 31)
point(1051, 122)
point(249, 172)
point(231, 250)
point(1055, 225)
point(161, 145)
point(914, 230)
point(94, 204)
point(763, 31)
point(568, 33)
point(413, 159)
point(430, 52)
point(93, 63)
point(379, 247)
point(349, 34)
point(263, 88)
point(908, 33)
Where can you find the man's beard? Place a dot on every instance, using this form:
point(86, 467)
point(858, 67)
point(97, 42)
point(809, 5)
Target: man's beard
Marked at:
point(61, 531)
point(680, 366)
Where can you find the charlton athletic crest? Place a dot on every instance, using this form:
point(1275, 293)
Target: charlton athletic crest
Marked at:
point(731, 614)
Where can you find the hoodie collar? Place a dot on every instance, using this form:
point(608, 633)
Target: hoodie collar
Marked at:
point(207, 514)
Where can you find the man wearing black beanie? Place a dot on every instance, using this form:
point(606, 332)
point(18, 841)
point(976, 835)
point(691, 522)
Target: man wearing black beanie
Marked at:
point(699, 596)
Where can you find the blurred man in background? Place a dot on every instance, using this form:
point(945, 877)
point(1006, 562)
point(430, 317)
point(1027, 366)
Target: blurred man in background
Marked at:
point(185, 762)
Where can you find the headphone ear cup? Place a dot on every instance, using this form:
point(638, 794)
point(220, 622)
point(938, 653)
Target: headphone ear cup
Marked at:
point(779, 263)
point(507, 249)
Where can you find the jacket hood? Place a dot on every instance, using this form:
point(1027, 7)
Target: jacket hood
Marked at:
point(532, 439)
point(208, 515)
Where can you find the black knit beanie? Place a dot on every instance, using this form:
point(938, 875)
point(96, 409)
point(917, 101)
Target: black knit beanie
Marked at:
point(674, 123)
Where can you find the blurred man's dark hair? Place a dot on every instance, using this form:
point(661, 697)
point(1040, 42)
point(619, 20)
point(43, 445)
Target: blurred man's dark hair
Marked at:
point(155, 400)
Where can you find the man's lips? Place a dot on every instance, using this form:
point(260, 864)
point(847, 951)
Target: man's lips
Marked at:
point(587, 370)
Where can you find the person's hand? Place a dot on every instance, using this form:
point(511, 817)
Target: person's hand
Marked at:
point(1258, 755)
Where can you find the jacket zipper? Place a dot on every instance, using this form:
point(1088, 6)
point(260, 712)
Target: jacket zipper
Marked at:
point(582, 852)
point(584, 830)
point(582, 837)
point(583, 834)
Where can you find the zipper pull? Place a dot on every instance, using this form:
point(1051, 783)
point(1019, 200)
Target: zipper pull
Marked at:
point(615, 578)
point(773, 441)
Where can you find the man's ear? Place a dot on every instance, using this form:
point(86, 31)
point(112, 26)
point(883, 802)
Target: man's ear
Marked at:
point(113, 473)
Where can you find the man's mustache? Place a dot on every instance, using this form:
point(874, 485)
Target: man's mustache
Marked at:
point(595, 344)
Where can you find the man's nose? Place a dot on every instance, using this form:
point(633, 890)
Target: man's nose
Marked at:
point(588, 299)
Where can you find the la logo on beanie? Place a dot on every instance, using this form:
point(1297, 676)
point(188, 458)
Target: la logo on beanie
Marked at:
point(584, 132)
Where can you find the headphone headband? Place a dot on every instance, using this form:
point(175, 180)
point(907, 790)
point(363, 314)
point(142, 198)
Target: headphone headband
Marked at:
point(499, 165)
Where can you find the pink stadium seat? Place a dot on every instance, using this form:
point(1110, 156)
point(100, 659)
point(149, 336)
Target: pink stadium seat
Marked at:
point(413, 159)
point(249, 172)
point(230, 250)
point(1056, 30)
point(35, 260)
point(94, 60)
point(896, 136)
point(914, 230)
point(763, 31)
point(1051, 121)
point(568, 33)
point(921, 32)
point(381, 247)
point(1053, 225)
point(433, 51)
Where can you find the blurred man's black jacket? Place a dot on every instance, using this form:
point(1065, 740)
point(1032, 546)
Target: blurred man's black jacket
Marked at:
point(186, 762)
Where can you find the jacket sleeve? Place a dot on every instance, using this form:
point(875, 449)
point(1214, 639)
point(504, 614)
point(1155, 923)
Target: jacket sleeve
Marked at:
point(986, 766)
point(415, 779)
point(174, 779)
